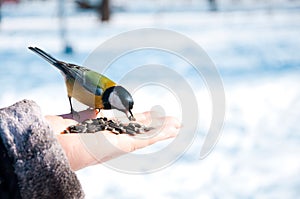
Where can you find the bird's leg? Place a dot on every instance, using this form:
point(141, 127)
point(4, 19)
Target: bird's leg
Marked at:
point(98, 109)
point(75, 114)
point(70, 101)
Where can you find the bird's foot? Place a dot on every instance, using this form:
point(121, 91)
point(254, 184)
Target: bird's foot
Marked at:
point(131, 118)
point(75, 115)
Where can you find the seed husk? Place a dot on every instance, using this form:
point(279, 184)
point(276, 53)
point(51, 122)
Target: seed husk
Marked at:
point(103, 123)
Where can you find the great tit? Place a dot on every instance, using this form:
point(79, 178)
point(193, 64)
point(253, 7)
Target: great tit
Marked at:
point(91, 88)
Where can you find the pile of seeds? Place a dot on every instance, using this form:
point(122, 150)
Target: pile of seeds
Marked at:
point(102, 123)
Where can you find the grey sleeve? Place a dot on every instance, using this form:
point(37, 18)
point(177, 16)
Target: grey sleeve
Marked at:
point(39, 162)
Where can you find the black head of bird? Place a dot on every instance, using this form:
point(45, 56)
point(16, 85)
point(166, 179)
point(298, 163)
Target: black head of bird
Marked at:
point(117, 97)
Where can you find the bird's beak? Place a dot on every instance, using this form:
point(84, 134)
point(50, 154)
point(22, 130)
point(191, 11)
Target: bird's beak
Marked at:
point(130, 115)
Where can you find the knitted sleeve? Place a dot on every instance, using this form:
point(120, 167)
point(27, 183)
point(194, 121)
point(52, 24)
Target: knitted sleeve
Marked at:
point(38, 160)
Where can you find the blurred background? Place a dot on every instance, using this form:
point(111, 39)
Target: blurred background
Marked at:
point(254, 44)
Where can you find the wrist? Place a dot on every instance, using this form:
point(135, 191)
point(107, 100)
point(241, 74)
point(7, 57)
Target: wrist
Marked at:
point(76, 153)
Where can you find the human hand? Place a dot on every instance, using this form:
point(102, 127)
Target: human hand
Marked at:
point(84, 150)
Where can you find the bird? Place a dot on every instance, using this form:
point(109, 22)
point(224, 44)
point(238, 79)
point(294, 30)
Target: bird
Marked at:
point(90, 87)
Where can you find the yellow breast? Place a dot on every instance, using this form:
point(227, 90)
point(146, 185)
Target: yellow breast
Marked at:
point(78, 92)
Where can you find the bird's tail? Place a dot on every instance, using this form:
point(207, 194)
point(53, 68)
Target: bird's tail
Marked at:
point(49, 58)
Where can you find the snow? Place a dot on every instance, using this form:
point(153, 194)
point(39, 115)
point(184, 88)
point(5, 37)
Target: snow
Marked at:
point(254, 46)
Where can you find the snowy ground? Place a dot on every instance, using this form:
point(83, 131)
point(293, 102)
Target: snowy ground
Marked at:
point(257, 54)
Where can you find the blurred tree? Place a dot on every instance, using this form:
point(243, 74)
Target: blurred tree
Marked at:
point(212, 5)
point(102, 7)
point(104, 10)
point(63, 27)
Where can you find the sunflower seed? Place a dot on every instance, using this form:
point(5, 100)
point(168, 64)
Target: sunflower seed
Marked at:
point(102, 123)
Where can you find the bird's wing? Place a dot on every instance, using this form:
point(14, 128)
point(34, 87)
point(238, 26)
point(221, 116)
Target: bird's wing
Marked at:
point(91, 80)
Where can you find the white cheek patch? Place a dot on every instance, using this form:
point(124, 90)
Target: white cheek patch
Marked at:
point(115, 101)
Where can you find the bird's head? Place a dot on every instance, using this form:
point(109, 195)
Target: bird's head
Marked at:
point(117, 97)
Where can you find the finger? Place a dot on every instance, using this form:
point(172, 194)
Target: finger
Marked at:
point(84, 115)
point(172, 122)
point(148, 116)
point(143, 117)
point(88, 114)
point(139, 117)
point(169, 128)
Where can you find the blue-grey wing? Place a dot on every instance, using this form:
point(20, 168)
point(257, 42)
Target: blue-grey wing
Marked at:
point(90, 80)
